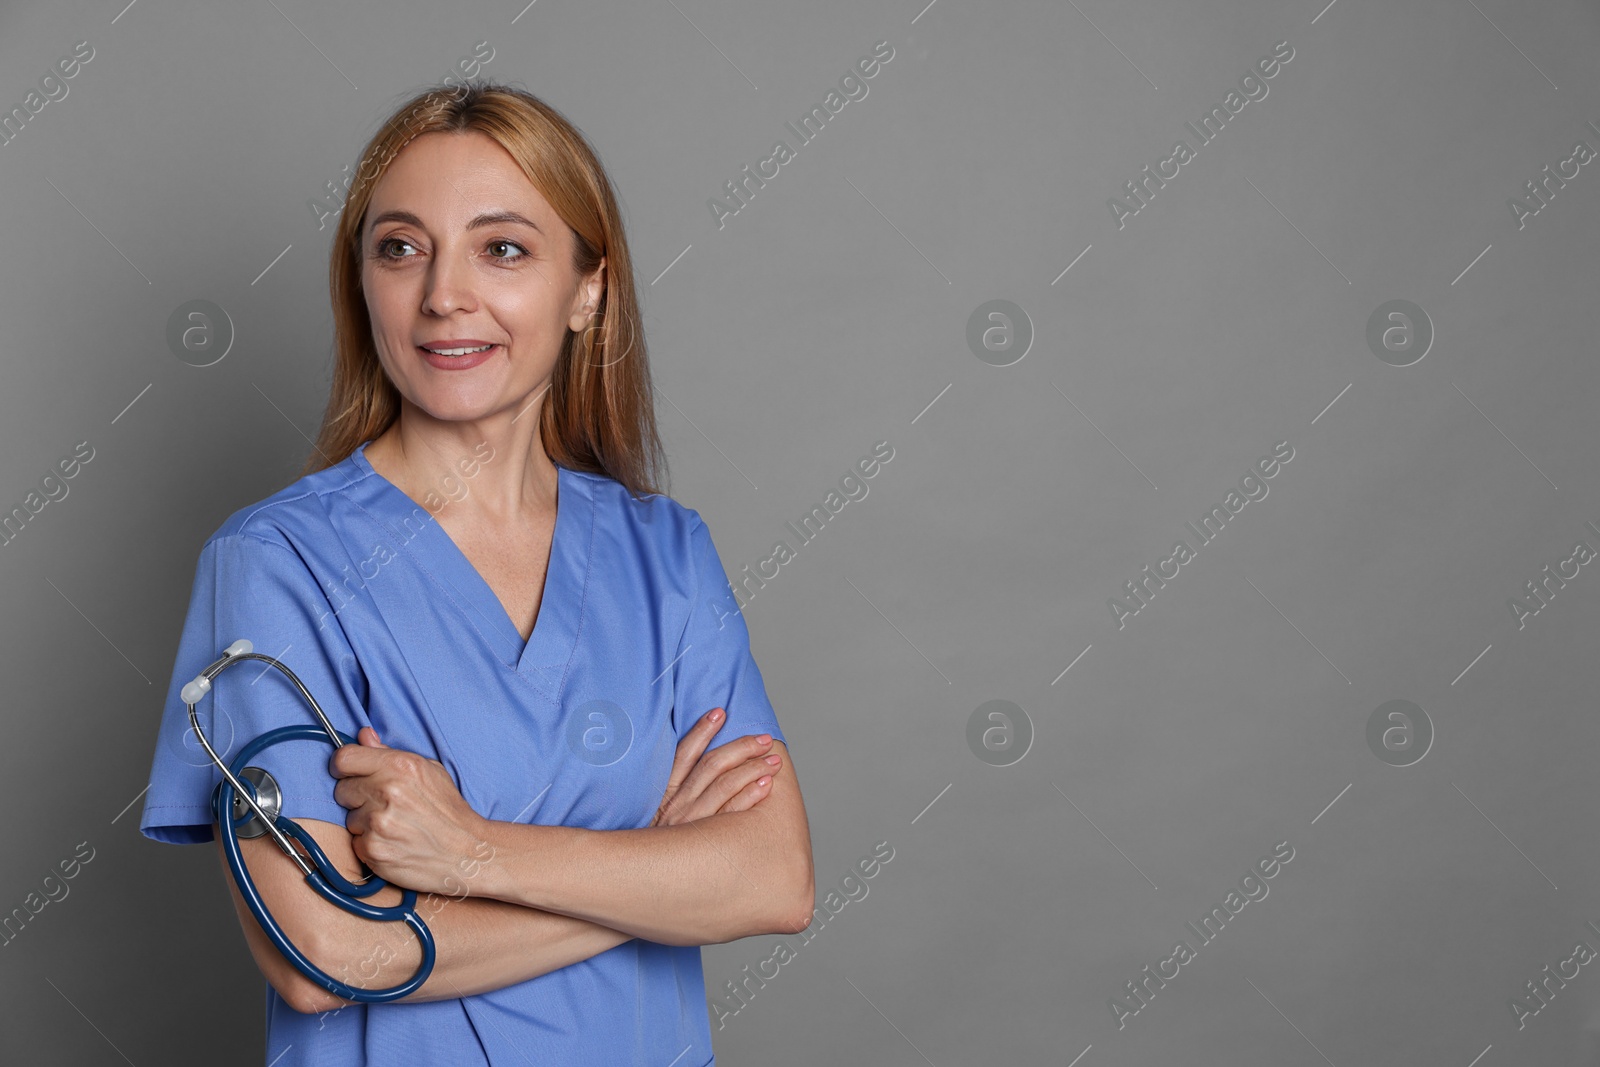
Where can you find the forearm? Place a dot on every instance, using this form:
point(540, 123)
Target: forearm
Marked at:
point(480, 945)
point(716, 879)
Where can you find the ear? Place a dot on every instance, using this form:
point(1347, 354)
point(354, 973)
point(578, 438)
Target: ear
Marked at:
point(585, 313)
point(596, 286)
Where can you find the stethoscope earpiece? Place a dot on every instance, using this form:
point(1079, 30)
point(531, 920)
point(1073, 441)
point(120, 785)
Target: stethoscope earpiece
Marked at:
point(247, 804)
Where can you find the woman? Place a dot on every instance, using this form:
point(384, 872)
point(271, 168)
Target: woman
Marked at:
point(534, 648)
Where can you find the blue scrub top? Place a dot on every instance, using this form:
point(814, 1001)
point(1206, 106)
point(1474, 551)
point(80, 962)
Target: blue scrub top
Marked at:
point(361, 593)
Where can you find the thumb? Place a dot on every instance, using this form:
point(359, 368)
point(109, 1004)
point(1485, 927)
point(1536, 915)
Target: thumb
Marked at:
point(369, 737)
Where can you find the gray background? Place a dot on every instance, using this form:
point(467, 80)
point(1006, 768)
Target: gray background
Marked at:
point(1228, 315)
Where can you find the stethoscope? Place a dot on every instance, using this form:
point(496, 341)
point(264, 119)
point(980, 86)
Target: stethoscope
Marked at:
point(252, 799)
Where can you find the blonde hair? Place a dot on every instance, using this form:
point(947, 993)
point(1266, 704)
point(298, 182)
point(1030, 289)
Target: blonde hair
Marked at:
point(599, 413)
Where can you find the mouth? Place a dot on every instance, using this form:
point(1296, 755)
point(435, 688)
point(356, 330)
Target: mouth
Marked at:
point(456, 350)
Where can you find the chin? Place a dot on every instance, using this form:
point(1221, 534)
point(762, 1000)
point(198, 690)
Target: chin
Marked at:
point(456, 408)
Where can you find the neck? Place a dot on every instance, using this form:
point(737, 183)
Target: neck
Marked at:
point(492, 470)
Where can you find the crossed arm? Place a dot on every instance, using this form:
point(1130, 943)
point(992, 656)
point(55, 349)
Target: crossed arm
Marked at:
point(726, 857)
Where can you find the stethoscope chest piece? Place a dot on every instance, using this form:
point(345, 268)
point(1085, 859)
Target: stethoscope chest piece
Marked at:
point(246, 823)
point(253, 803)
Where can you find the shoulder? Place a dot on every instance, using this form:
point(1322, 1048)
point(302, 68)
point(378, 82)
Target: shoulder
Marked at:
point(295, 515)
point(671, 536)
point(652, 514)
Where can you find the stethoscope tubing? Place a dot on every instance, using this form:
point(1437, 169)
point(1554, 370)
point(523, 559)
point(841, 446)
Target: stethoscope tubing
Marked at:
point(319, 872)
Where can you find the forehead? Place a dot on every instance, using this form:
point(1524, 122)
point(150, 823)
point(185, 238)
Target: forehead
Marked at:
point(447, 178)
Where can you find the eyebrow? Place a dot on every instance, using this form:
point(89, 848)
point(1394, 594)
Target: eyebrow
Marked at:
point(491, 218)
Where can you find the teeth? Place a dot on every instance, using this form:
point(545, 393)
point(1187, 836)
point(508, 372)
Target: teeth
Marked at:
point(459, 351)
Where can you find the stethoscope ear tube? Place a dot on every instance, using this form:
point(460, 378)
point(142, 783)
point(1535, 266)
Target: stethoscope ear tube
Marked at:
point(319, 872)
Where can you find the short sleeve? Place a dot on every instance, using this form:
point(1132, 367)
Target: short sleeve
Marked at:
point(249, 587)
point(715, 668)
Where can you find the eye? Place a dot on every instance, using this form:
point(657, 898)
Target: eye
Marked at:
point(387, 243)
point(497, 244)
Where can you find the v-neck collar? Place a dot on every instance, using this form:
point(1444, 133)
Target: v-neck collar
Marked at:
point(555, 630)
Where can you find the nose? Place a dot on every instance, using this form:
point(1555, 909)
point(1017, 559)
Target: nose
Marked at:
point(449, 283)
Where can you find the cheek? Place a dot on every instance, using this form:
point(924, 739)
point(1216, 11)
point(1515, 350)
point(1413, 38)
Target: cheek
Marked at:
point(389, 312)
point(386, 295)
point(531, 314)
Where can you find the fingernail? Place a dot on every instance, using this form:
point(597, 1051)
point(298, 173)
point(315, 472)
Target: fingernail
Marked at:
point(763, 738)
point(763, 780)
point(774, 760)
point(716, 716)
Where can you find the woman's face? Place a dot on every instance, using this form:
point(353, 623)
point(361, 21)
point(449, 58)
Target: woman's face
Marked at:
point(459, 250)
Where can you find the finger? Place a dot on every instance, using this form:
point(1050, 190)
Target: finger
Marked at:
point(749, 796)
point(348, 760)
point(738, 785)
point(729, 787)
point(356, 822)
point(352, 792)
point(692, 745)
point(724, 757)
point(369, 737)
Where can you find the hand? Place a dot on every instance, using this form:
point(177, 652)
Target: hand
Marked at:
point(726, 780)
point(409, 823)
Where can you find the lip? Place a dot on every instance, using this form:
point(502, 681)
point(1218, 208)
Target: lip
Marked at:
point(457, 342)
point(433, 359)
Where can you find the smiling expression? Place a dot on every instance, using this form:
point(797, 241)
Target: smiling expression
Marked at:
point(459, 250)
